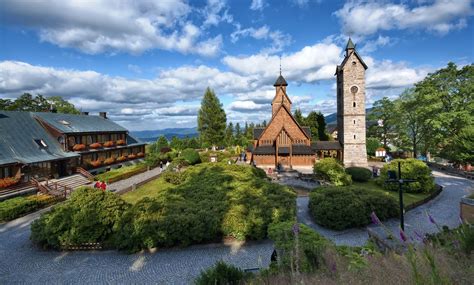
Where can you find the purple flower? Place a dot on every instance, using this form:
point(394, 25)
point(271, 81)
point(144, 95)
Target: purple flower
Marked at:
point(431, 219)
point(403, 236)
point(419, 236)
point(333, 267)
point(375, 219)
point(296, 228)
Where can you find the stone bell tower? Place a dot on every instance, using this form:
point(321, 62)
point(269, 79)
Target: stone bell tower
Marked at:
point(351, 107)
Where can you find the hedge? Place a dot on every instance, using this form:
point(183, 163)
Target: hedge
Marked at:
point(311, 246)
point(215, 200)
point(89, 216)
point(340, 208)
point(330, 169)
point(16, 207)
point(191, 156)
point(118, 174)
point(411, 169)
point(359, 174)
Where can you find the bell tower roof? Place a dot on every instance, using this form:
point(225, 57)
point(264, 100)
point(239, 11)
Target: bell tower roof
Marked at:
point(280, 81)
point(350, 44)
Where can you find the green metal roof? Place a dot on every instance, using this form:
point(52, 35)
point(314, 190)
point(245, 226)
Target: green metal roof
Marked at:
point(18, 132)
point(69, 123)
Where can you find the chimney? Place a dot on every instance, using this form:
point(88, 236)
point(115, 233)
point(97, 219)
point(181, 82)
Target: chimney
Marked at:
point(52, 108)
point(85, 113)
point(103, 114)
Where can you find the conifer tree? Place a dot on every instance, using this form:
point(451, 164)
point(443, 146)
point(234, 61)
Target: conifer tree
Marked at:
point(211, 120)
point(229, 134)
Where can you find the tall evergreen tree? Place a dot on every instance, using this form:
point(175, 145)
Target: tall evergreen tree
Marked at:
point(238, 135)
point(299, 117)
point(229, 134)
point(211, 120)
point(311, 121)
point(322, 135)
point(264, 124)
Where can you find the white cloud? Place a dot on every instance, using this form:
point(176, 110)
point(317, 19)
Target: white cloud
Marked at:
point(215, 13)
point(366, 18)
point(386, 74)
point(115, 26)
point(278, 39)
point(257, 5)
point(373, 45)
point(248, 106)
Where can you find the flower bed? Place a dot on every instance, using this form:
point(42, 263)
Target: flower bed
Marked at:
point(79, 147)
point(121, 158)
point(95, 163)
point(140, 154)
point(95, 145)
point(109, 144)
point(121, 142)
point(109, 160)
point(132, 156)
point(8, 181)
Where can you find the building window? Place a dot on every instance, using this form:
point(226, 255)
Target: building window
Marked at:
point(41, 143)
point(354, 122)
point(354, 89)
point(354, 63)
point(354, 136)
point(354, 104)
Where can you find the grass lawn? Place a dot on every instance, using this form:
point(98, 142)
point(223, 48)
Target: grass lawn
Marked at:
point(408, 198)
point(150, 189)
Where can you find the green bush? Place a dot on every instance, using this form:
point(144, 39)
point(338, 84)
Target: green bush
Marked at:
point(340, 208)
point(222, 274)
point(89, 216)
point(16, 207)
point(215, 200)
point(222, 156)
point(174, 177)
point(411, 169)
point(191, 156)
point(330, 169)
point(118, 174)
point(311, 246)
point(359, 174)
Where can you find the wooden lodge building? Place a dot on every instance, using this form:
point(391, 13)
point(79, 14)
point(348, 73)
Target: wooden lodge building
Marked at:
point(284, 143)
point(51, 145)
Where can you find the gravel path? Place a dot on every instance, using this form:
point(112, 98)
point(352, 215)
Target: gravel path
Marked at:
point(125, 183)
point(21, 262)
point(444, 209)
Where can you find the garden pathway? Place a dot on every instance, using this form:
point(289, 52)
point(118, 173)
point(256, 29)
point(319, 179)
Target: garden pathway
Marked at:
point(444, 209)
point(22, 263)
point(126, 183)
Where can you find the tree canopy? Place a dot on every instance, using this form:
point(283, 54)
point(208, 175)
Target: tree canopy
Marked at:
point(39, 103)
point(211, 120)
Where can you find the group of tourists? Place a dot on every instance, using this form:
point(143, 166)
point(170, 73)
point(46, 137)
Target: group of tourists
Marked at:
point(100, 185)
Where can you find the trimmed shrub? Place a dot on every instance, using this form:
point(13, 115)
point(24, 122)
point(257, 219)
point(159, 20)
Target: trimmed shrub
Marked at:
point(191, 156)
point(330, 169)
point(16, 207)
point(359, 174)
point(214, 200)
point(222, 274)
point(174, 177)
point(311, 246)
point(89, 216)
point(340, 208)
point(118, 174)
point(411, 169)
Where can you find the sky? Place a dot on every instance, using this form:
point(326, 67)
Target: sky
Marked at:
point(148, 63)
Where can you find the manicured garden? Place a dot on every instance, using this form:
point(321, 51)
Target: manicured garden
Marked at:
point(16, 207)
point(204, 203)
point(355, 195)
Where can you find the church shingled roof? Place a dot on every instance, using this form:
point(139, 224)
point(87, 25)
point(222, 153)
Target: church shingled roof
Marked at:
point(350, 44)
point(280, 81)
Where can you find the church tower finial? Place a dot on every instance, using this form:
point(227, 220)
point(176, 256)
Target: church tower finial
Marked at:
point(280, 65)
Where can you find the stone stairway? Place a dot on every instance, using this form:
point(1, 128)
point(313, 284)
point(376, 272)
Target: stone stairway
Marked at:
point(73, 181)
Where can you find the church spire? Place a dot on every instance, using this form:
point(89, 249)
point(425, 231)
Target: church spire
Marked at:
point(350, 46)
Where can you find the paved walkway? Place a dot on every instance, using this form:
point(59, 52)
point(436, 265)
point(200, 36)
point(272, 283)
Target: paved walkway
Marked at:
point(444, 209)
point(21, 262)
point(126, 183)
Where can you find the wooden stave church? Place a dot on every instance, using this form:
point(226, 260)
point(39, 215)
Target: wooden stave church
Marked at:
point(284, 143)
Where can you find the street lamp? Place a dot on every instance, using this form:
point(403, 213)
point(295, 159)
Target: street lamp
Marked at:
point(392, 178)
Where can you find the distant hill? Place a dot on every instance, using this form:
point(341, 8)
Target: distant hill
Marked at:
point(153, 135)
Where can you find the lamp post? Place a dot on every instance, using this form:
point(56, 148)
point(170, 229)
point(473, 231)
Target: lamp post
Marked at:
point(392, 178)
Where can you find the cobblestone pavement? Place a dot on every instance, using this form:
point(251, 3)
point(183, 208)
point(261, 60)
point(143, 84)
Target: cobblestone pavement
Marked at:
point(125, 183)
point(444, 209)
point(21, 262)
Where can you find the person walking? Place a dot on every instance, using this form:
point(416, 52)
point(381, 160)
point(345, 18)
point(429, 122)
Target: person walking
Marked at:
point(103, 186)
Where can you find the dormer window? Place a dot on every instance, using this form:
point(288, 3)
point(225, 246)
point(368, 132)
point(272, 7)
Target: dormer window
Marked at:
point(41, 143)
point(354, 63)
point(66, 123)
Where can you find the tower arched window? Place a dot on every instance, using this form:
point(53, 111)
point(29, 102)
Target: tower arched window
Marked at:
point(354, 136)
point(354, 104)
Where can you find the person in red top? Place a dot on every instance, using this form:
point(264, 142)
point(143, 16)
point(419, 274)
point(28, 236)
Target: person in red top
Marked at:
point(103, 186)
point(97, 184)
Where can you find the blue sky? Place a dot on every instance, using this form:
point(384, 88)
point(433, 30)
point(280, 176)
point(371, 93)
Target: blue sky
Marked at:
point(147, 63)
